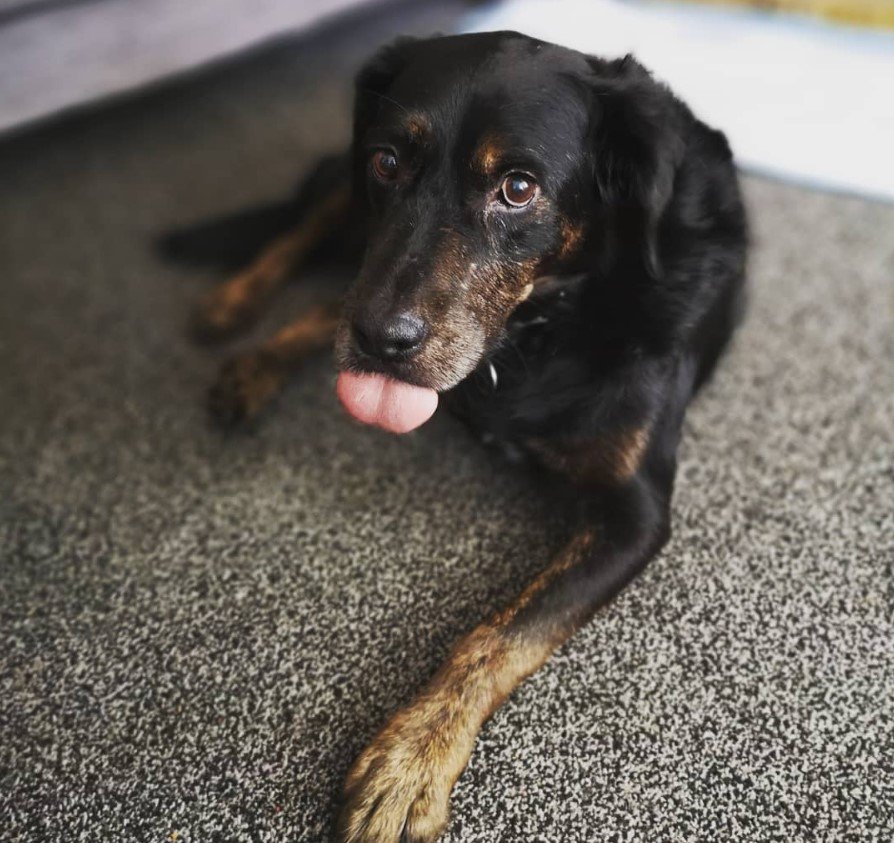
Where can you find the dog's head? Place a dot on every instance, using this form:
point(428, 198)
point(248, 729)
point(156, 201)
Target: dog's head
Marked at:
point(488, 162)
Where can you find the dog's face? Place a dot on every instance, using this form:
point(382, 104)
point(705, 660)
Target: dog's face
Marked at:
point(475, 155)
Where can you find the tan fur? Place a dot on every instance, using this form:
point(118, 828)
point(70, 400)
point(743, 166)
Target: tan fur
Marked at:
point(419, 128)
point(234, 302)
point(408, 770)
point(248, 382)
point(465, 303)
point(488, 155)
point(572, 235)
point(630, 448)
point(607, 459)
point(311, 331)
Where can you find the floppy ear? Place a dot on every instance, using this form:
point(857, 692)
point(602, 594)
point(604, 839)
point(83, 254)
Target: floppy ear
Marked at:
point(370, 85)
point(637, 148)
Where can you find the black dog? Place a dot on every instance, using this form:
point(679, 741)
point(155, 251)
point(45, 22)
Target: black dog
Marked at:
point(556, 246)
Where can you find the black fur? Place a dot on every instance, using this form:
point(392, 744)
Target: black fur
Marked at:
point(638, 312)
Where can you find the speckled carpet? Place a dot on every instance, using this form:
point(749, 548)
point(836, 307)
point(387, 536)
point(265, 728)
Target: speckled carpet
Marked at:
point(199, 632)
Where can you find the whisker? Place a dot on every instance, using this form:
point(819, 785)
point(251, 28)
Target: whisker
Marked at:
point(387, 99)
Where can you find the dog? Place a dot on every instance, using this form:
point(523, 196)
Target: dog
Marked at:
point(553, 247)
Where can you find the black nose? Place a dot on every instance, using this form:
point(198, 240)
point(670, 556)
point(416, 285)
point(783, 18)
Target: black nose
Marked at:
point(396, 338)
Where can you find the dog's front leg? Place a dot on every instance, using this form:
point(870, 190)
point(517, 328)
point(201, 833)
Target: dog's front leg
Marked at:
point(234, 304)
point(398, 789)
point(248, 382)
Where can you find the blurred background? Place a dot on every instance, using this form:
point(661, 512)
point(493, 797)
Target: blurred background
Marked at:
point(198, 632)
point(801, 86)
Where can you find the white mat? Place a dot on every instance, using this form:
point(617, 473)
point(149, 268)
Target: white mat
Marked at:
point(798, 99)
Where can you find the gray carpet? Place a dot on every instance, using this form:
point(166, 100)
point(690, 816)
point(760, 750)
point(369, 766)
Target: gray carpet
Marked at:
point(199, 632)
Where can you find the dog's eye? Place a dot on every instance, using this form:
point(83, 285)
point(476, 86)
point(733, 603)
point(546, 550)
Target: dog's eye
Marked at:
point(385, 165)
point(518, 190)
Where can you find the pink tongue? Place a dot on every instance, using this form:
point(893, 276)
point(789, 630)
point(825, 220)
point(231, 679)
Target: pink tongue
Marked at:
point(392, 405)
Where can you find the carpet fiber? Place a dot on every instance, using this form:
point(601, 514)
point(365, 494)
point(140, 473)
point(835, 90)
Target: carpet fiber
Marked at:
point(199, 632)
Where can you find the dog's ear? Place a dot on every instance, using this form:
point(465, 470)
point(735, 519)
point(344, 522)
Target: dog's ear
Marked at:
point(637, 147)
point(370, 85)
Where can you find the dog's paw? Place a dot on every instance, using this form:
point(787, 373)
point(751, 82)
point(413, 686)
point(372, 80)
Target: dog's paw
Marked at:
point(398, 789)
point(221, 313)
point(245, 385)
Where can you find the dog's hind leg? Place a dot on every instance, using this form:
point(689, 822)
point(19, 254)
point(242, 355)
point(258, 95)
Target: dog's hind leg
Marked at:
point(248, 382)
point(323, 206)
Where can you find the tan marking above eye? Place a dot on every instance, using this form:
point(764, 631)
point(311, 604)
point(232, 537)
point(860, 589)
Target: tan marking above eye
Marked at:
point(487, 157)
point(418, 127)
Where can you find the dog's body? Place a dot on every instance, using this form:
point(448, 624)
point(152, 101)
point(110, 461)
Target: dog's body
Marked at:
point(556, 246)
